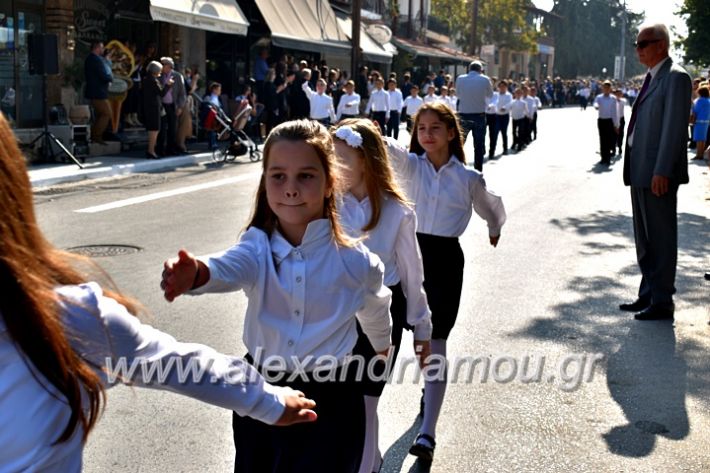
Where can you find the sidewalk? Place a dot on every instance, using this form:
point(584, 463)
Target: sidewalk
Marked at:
point(44, 175)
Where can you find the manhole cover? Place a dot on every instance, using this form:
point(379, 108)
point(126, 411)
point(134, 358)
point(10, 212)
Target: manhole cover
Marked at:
point(97, 251)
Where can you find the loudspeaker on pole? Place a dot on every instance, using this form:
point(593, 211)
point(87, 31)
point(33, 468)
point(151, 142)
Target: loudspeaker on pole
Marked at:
point(43, 53)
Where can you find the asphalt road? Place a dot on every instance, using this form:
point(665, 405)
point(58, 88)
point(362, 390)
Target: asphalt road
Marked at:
point(550, 290)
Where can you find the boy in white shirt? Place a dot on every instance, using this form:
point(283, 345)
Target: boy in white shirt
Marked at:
point(607, 123)
point(396, 104)
point(532, 109)
point(431, 96)
point(452, 99)
point(519, 113)
point(321, 103)
point(503, 103)
point(411, 105)
point(349, 104)
point(379, 105)
point(621, 104)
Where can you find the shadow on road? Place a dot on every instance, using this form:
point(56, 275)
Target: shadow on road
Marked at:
point(395, 455)
point(649, 371)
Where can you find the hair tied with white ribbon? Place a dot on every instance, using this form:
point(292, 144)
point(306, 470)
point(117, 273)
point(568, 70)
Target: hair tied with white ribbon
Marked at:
point(350, 136)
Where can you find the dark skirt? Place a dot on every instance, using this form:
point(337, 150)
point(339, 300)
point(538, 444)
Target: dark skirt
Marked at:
point(443, 278)
point(333, 443)
point(398, 311)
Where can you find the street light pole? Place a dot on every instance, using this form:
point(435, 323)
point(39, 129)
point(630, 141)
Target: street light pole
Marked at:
point(355, 38)
point(622, 52)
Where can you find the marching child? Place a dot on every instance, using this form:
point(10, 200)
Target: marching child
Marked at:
point(349, 104)
point(375, 208)
point(321, 103)
point(444, 192)
point(519, 114)
point(306, 283)
point(411, 105)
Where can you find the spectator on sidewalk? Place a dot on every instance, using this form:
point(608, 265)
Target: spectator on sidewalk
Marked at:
point(173, 104)
point(700, 119)
point(153, 92)
point(98, 75)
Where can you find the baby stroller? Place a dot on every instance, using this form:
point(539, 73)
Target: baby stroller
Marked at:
point(232, 141)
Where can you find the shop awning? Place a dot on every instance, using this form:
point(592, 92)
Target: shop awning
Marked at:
point(418, 49)
point(304, 25)
point(371, 50)
point(220, 16)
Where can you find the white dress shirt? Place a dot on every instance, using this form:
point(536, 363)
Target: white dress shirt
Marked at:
point(412, 104)
point(453, 102)
point(532, 106)
point(396, 100)
point(503, 103)
point(621, 104)
point(492, 104)
point(518, 109)
point(379, 102)
point(321, 104)
point(444, 198)
point(349, 104)
point(303, 300)
point(653, 71)
point(608, 108)
point(394, 240)
point(432, 98)
point(473, 89)
point(34, 415)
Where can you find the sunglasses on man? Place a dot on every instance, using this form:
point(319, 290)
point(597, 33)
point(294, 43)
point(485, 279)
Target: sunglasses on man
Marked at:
point(644, 43)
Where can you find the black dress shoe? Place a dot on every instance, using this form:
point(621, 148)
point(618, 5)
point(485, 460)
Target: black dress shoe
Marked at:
point(422, 450)
point(657, 312)
point(151, 156)
point(635, 306)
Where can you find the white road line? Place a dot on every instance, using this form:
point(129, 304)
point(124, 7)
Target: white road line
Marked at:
point(161, 195)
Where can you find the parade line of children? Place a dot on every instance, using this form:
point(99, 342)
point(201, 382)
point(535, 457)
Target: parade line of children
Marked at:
point(337, 259)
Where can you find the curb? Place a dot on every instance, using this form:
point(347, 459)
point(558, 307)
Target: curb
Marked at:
point(76, 175)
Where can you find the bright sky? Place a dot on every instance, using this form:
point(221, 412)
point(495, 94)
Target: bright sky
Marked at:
point(657, 11)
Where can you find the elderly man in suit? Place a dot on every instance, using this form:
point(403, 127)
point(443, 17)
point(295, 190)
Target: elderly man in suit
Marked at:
point(655, 164)
point(173, 104)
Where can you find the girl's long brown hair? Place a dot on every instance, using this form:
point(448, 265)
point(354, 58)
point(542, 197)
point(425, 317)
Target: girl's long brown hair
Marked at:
point(379, 179)
point(446, 115)
point(316, 135)
point(30, 271)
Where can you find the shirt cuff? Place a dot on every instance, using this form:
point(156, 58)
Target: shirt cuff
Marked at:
point(423, 330)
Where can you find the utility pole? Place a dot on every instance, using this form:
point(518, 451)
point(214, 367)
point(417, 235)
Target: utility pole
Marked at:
point(474, 30)
point(422, 25)
point(622, 52)
point(355, 39)
point(410, 19)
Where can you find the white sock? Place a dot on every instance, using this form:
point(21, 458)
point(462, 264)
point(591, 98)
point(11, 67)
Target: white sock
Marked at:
point(371, 452)
point(434, 391)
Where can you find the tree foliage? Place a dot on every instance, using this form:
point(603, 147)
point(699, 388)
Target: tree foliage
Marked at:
point(697, 44)
point(588, 37)
point(500, 22)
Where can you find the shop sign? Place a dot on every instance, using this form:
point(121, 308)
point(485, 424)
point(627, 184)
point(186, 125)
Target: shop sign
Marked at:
point(90, 19)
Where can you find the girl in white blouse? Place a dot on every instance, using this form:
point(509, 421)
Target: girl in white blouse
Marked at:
point(306, 283)
point(444, 192)
point(375, 209)
point(60, 336)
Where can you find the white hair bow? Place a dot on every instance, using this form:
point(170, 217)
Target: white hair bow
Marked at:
point(350, 136)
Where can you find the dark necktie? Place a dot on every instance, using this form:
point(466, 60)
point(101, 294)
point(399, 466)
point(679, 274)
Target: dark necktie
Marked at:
point(632, 121)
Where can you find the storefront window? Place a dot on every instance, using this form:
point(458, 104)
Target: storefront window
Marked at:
point(30, 85)
point(8, 91)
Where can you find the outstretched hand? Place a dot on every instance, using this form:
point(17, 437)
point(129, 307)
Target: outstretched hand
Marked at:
point(179, 275)
point(298, 409)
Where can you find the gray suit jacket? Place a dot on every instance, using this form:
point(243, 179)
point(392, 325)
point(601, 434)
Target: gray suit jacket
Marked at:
point(661, 130)
point(179, 94)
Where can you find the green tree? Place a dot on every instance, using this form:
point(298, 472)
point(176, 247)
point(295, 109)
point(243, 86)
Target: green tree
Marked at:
point(500, 22)
point(587, 37)
point(697, 44)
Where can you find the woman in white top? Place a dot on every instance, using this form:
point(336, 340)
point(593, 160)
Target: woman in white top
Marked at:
point(375, 209)
point(60, 336)
point(444, 192)
point(307, 284)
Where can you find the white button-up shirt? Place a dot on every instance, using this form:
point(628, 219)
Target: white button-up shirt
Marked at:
point(412, 104)
point(492, 104)
point(379, 102)
point(503, 103)
point(608, 108)
point(621, 104)
point(33, 414)
point(303, 300)
point(518, 109)
point(453, 102)
point(396, 100)
point(444, 199)
point(394, 240)
point(321, 104)
point(349, 104)
point(532, 105)
point(432, 98)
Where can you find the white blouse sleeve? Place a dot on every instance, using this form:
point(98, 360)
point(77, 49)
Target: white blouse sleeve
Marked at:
point(236, 268)
point(123, 349)
point(374, 317)
point(486, 204)
point(411, 272)
point(402, 161)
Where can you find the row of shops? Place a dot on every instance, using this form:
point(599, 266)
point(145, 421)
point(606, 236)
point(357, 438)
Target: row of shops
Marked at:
point(219, 38)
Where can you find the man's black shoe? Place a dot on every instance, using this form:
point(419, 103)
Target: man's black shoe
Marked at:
point(657, 312)
point(635, 306)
